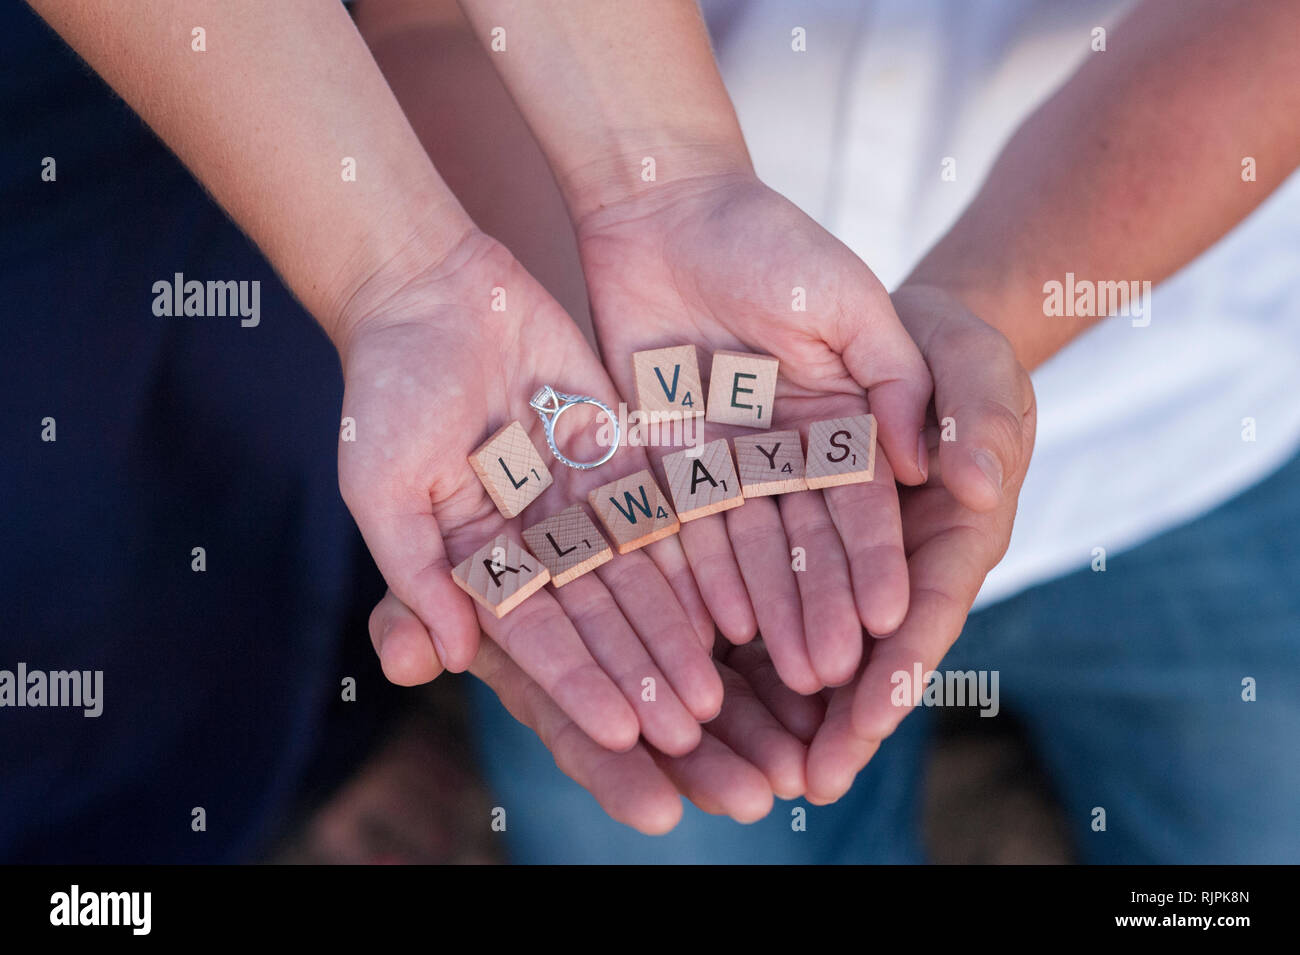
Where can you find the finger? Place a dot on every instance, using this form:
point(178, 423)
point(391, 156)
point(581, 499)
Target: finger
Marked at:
point(541, 639)
point(983, 400)
point(884, 360)
point(628, 786)
point(831, 625)
point(801, 715)
point(649, 603)
point(664, 721)
point(402, 644)
point(870, 527)
point(750, 730)
point(763, 555)
point(670, 558)
point(837, 753)
point(708, 548)
point(946, 572)
point(408, 549)
point(718, 781)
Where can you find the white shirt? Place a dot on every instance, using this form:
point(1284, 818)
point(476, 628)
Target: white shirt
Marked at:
point(1140, 428)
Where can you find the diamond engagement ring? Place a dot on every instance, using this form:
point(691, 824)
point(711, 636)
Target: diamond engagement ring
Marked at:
point(550, 404)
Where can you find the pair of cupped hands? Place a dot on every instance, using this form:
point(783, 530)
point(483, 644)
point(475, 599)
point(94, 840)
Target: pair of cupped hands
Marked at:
point(768, 680)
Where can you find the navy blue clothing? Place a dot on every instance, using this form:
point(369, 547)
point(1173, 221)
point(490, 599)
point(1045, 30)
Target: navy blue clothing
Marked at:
point(221, 687)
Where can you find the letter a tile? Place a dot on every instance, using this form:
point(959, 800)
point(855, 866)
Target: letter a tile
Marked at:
point(634, 511)
point(668, 382)
point(742, 388)
point(568, 544)
point(770, 463)
point(511, 469)
point(842, 451)
point(703, 483)
point(500, 575)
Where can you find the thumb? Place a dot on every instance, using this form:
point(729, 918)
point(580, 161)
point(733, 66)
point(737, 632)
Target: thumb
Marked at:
point(883, 359)
point(402, 643)
point(983, 402)
point(408, 549)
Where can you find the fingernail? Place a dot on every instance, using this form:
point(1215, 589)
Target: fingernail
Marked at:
point(923, 456)
point(992, 468)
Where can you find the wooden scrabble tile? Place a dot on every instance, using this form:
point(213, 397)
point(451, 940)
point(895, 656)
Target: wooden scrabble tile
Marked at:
point(668, 381)
point(511, 469)
point(634, 511)
point(841, 451)
point(742, 388)
point(500, 575)
point(568, 544)
point(703, 483)
point(770, 463)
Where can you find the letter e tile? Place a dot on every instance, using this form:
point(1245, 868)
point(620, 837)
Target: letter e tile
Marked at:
point(742, 388)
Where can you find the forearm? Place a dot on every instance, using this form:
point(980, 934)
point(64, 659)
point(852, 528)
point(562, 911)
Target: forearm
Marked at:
point(265, 119)
point(1133, 168)
point(446, 84)
point(606, 86)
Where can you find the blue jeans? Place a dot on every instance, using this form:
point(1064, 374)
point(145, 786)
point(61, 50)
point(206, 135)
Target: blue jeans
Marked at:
point(1130, 685)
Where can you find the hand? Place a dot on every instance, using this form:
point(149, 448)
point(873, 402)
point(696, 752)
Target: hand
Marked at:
point(430, 371)
point(955, 528)
point(713, 261)
point(755, 748)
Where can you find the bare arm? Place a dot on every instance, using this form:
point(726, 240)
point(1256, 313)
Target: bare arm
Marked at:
point(264, 118)
point(401, 279)
point(1134, 167)
point(681, 244)
point(605, 85)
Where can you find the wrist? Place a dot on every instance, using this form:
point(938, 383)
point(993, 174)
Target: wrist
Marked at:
point(427, 249)
point(640, 166)
point(998, 298)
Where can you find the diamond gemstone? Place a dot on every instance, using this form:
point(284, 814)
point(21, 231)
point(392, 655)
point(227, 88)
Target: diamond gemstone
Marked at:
point(546, 400)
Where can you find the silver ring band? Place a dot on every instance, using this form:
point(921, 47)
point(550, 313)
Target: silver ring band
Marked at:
point(550, 404)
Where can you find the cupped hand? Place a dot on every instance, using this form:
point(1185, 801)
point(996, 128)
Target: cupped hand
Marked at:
point(756, 747)
point(956, 526)
point(722, 262)
point(431, 370)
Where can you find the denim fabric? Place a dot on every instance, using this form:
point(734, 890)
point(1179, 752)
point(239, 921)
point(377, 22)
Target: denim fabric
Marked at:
point(1130, 682)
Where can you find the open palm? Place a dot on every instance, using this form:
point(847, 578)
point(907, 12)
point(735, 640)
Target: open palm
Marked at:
point(719, 263)
point(430, 371)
